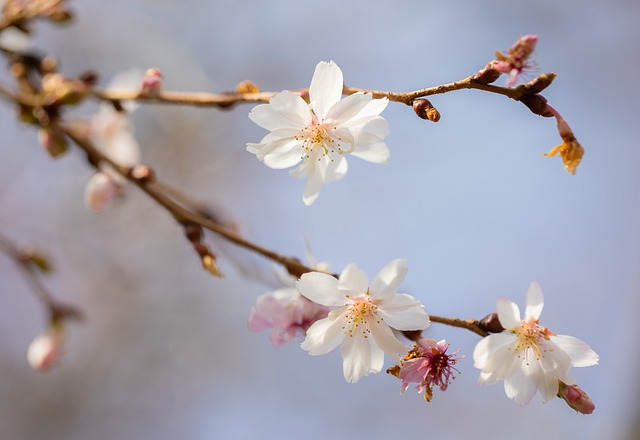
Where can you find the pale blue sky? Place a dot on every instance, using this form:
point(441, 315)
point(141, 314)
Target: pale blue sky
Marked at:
point(470, 202)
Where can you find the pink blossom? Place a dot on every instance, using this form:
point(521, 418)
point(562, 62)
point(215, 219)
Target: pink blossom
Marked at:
point(286, 312)
point(516, 61)
point(428, 365)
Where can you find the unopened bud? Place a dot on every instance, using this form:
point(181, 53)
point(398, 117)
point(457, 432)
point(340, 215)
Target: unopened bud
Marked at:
point(537, 104)
point(60, 15)
point(576, 398)
point(487, 75)
point(247, 87)
point(29, 253)
point(53, 141)
point(101, 189)
point(193, 232)
point(538, 84)
point(491, 323)
point(152, 82)
point(210, 265)
point(45, 350)
point(425, 110)
point(142, 173)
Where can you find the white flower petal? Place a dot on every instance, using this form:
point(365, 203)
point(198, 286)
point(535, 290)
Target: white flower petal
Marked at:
point(375, 153)
point(356, 357)
point(326, 88)
point(287, 154)
point(579, 352)
point(388, 280)
point(384, 337)
point(487, 346)
point(375, 126)
point(320, 288)
point(377, 358)
point(301, 171)
point(347, 108)
point(522, 386)
point(266, 116)
point(374, 108)
point(534, 301)
point(317, 171)
point(353, 281)
point(337, 170)
point(292, 107)
point(404, 312)
point(324, 336)
point(508, 313)
point(548, 387)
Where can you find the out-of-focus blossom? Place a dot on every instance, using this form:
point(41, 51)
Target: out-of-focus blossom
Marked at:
point(428, 365)
point(576, 398)
point(14, 40)
point(286, 312)
point(152, 82)
point(516, 61)
point(112, 134)
point(364, 320)
point(46, 349)
point(529, 358)
point(320, 133)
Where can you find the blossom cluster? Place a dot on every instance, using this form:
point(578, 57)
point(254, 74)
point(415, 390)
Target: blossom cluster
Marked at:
point(363, 318)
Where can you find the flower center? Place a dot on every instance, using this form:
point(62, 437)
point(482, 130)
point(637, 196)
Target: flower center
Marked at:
point(359, 313)
point(532, 336)
point(318, 141)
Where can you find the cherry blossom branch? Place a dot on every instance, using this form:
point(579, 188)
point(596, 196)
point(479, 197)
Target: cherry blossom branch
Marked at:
point(226, 100)
point(30, 261)
point(143, 177)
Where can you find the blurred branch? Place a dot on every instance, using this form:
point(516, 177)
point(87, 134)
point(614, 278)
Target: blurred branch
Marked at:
point(30, 261)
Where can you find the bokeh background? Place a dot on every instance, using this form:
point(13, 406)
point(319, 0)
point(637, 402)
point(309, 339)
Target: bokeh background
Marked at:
point(470, 202)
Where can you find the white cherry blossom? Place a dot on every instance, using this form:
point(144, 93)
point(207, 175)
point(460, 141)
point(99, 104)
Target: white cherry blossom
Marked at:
point(320, 133)
point(365, 316)
point(528, 357)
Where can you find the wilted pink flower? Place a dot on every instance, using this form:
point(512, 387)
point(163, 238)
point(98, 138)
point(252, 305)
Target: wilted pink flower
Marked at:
point(570, 149)
point(45, 350)
point(576, 398)
point(286, 312)
point(428, 365)
point(516, 62)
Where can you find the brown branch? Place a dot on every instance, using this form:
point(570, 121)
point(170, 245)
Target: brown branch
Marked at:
point(225, 100)
point(145, 179)
point(29, 262)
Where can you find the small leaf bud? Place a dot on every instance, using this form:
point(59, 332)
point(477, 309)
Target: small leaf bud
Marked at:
point(425, 110)
point(247, 87)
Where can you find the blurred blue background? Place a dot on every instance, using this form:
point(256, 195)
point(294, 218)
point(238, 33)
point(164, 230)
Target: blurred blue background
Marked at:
point(470, 202)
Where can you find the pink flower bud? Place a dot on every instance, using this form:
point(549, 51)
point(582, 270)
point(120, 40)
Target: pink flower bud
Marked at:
point(45, 350)
point(99, 192)
point(576, 398)
point(152, 82)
